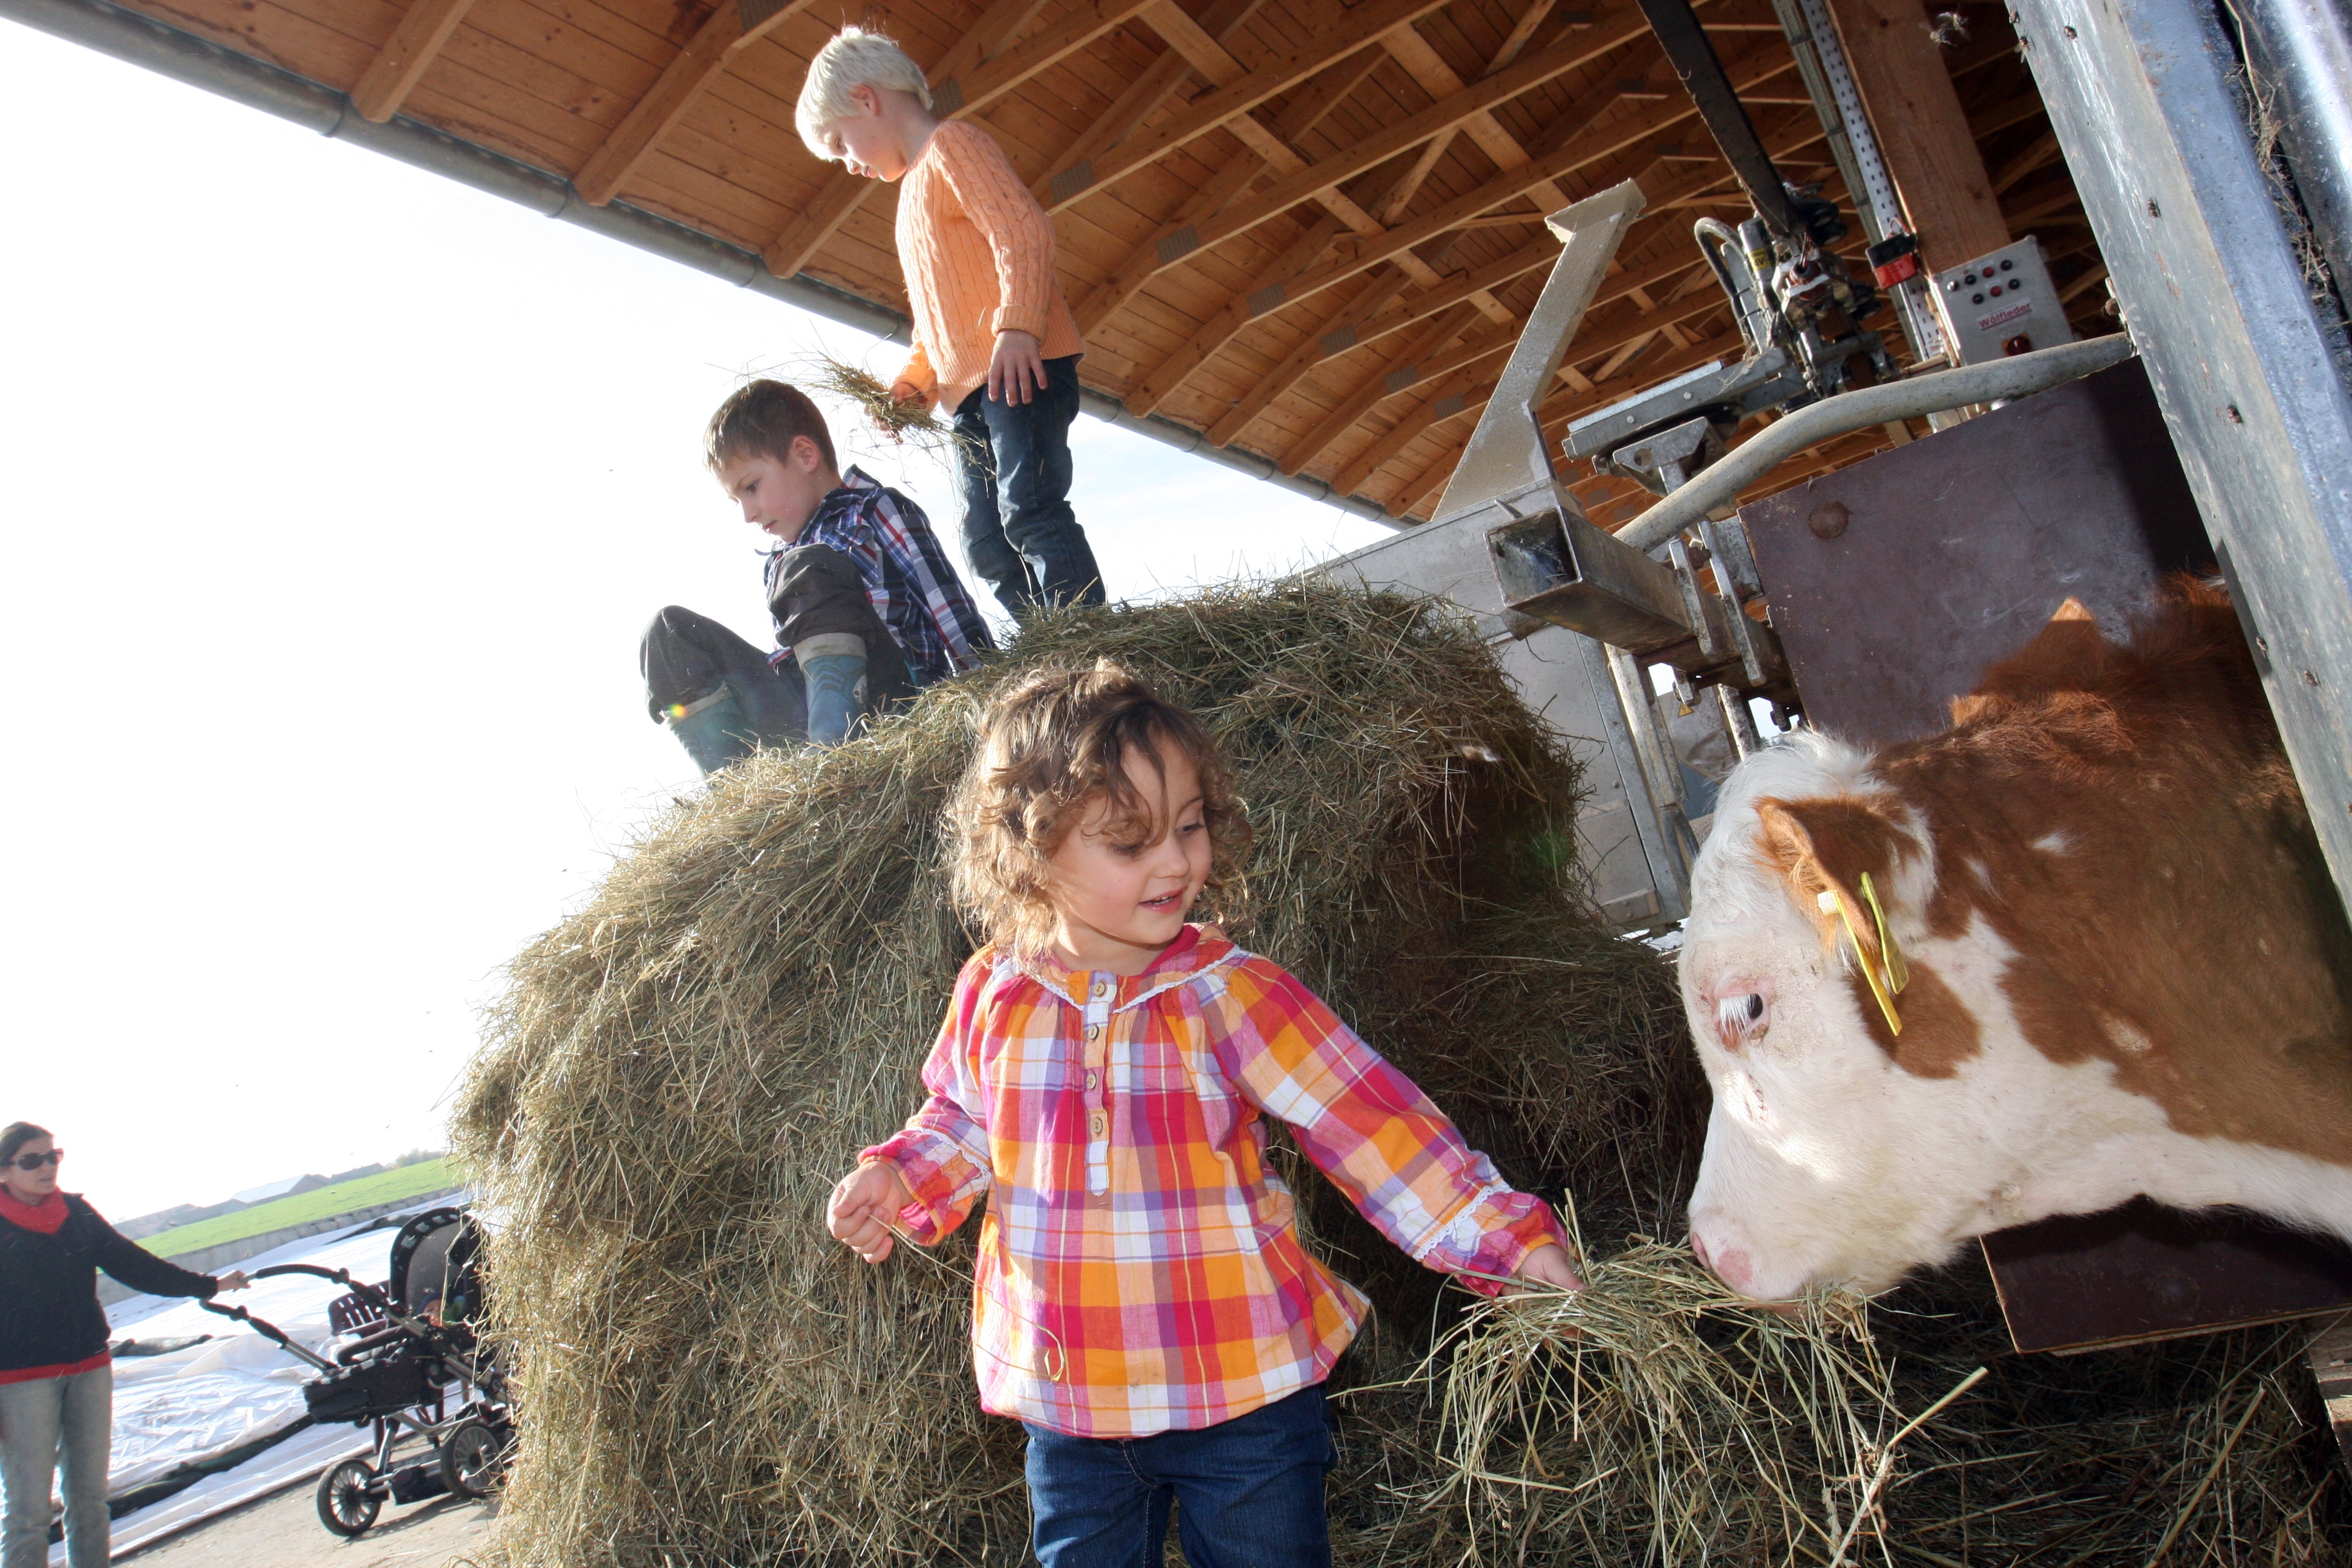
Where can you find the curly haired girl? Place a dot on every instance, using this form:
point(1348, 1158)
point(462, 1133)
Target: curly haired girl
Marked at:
point(1144, 1305)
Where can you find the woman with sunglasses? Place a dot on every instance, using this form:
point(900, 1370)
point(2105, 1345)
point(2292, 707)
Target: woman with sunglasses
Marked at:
point(57, 1384)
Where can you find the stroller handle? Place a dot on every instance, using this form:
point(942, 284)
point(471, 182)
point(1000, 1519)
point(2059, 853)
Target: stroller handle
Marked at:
point(342, 1276)
point(267, 1331)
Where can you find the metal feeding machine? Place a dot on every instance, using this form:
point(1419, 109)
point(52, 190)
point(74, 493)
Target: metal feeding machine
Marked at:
point(1680, 587)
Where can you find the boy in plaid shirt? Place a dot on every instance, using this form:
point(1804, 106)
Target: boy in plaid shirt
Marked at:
point(1143, 1304)
point(866, 608)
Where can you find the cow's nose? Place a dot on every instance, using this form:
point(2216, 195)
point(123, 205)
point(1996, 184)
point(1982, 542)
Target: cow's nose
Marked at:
point(1723, 1253)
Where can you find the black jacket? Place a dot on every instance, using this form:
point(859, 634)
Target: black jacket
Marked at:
point(49, 1314)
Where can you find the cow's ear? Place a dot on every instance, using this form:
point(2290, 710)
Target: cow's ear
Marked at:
point(1824, 846)
point(2067, 655)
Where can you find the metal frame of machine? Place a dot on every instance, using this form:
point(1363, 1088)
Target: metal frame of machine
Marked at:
point(2247, 358)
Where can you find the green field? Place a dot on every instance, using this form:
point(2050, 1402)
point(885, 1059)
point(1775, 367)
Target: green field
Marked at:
point(326, 1203)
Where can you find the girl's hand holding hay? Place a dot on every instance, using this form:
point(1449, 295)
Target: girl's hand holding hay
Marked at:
point(1551, 1265)
point(863, 1204)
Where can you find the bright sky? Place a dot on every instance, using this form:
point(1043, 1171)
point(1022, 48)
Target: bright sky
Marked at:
point(336, 497)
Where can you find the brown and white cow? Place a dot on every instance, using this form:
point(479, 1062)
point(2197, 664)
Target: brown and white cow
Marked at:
point(2128, 972)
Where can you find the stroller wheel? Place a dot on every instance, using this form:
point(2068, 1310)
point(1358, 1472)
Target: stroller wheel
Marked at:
point(348, 1501)
point(470, 1456)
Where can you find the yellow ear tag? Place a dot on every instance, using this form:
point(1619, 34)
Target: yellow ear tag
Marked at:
point(1899, 972)
point(1830, 903)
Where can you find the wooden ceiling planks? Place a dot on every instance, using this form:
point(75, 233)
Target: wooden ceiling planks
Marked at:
point(1308, 227)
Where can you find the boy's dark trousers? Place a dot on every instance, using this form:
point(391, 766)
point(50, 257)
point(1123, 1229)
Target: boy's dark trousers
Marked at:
point(1247, 1493)
point(1013, 461)
point(684, 656)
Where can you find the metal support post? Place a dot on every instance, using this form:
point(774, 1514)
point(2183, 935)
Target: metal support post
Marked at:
point(2139, 94)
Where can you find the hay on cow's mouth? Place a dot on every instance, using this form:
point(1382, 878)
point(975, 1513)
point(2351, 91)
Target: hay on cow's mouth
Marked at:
point(677, 1073)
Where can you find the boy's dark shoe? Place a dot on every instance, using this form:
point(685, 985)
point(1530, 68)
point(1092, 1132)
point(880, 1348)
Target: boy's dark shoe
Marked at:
point(1013, 462)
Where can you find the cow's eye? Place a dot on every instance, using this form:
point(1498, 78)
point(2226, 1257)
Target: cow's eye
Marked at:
point(1741, 1018)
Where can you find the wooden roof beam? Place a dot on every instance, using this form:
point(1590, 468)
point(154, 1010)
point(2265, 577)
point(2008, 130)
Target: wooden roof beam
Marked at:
point(1208, 57)
point(1151, 88)
point(1402, 371)
point(2017, 110)
point(1440, 81)
point(1521, 31)
point(1462, 107)
point(1350, 328)
point(1446, 400)
point(2040, 153)
point(1512, 155)
point(401, 64)
point(982, 67)
point(1347, 328)
point(1923, 134)
point(1214, 109)
point(1316, 99)
point(1192, 42)
point(1417, 364)
point(688, 75)
point(1579, 146)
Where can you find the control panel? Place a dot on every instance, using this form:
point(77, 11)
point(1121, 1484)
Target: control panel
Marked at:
point(2001, 304)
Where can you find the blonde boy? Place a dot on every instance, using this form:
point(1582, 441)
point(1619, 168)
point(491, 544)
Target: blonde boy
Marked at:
point(995, 345)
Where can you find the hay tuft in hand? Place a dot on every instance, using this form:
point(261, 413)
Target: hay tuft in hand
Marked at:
point(896, 420)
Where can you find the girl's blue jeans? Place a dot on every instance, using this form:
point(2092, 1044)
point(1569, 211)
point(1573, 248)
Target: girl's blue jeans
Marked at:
point(1247, 1493)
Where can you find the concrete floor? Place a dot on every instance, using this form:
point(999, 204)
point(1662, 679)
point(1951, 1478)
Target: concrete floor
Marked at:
point(284, 1531)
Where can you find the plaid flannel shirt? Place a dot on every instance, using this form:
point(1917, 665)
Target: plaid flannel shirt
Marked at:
point(916, 591)
point(1139, 1265)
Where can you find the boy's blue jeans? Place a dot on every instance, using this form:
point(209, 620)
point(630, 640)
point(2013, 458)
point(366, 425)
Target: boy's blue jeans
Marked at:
point(1248, 1493)
point(1013, 462)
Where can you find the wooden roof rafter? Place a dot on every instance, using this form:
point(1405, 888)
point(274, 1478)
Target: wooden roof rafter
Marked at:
point(1592, 137)
point(424, 29)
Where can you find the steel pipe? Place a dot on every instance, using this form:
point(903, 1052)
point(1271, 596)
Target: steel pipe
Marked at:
point(2301, 51)
point(1857, 410)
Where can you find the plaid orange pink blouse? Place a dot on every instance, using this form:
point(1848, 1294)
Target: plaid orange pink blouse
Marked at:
point(1139, 1268)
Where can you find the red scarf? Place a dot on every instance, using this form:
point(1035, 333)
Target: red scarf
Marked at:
point(44, 1216)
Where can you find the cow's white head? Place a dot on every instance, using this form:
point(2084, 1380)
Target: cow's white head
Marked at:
point(1829, 1152)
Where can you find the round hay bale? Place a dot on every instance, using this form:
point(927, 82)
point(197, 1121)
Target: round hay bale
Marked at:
point(677, 1073)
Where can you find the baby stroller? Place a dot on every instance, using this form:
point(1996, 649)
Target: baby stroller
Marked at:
point(415, 1337)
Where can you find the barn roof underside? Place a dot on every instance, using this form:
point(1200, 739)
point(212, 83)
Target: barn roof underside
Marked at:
point(1303, 228)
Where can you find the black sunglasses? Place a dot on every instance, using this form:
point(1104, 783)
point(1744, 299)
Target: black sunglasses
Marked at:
point(35, 1162)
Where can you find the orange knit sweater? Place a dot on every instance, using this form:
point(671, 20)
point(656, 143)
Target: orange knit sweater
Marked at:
point(977, 253)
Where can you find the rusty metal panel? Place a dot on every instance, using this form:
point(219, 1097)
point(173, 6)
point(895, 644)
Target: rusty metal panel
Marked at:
point(1893, 582)
point(2144, 1272)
